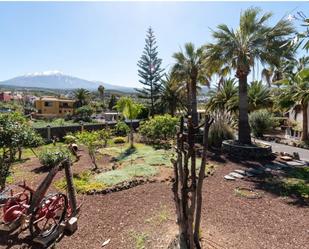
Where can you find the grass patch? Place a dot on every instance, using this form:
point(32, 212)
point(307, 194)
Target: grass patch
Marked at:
point(27, 153)
point(151, 156)
point(82, 182)
point(160, 217)
point(294, 182)
point(140, 239)
point(113, 177)
point(10, 179)
point(247, 193)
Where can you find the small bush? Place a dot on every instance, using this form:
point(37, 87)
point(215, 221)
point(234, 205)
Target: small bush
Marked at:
point(69, 139)
point(161, 127)
point(82, 183)
point(50, 158)
point(119, 140)
point(218, 132)
point(260, 122)
point(84, 113)
point(121, 129)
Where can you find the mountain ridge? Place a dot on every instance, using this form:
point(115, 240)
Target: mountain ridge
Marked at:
point(58, 80)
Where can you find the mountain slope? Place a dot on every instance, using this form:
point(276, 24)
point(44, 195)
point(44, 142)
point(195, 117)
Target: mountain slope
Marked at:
point(58, 80)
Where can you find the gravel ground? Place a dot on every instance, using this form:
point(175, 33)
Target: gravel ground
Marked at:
point(144, 216)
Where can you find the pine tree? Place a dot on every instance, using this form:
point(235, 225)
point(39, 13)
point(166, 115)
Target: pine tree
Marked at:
point(112, 102)
point(150, 72)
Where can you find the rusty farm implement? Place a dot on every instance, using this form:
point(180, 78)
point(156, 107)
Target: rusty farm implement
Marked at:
point(45, 215)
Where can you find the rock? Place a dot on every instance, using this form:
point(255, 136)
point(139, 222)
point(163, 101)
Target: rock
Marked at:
point(274, 166)
point(236, 175)
point(286, 158)
point(240, 171)
point(230, 178)
point(106, 242)
point(295, 163)
point(255, 171)
point(296, 156)
point(249, 174)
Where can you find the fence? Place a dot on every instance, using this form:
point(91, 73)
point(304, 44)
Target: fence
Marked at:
point(59, 132)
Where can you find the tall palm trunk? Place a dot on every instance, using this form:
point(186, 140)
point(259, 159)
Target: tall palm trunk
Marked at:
point(131, 134)
point(304, 136)
point(243, 122)
point(194, 103)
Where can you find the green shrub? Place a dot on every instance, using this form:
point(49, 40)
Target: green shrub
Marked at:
point(82, 183)
point(261, 121)
point(161, 127)
point(121, 129)
point(119, 140)
point(69, 139)
point(84, 113)
point(218, 132)
point(51, 157)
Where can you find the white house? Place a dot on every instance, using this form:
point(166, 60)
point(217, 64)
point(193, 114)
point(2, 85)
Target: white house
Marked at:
point(294, 122)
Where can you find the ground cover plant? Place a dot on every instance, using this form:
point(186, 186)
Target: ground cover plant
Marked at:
point(82, 182)
point(294, 182)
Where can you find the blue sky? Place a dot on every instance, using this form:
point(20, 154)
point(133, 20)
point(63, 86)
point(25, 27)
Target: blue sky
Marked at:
point(104, 40)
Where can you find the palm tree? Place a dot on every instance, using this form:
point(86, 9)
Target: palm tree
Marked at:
point(172, 94)
point(82, 95)
point(101, 90)
point(224, 97)
point(259, 96)
point(129, 110)
point(190, 68)
point(252, 42)
point(295, 91)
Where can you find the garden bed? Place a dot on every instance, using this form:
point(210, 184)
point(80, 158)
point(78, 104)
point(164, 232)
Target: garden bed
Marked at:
point(252, 151)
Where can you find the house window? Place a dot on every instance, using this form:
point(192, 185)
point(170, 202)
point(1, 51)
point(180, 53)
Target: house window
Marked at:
point(65, 105)
point(48, 103)
point(60, 111)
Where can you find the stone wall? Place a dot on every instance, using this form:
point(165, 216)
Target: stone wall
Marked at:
point(60, 131)
point(246, 152)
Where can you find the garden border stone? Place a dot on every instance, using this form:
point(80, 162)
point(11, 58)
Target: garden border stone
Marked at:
point(246, 151)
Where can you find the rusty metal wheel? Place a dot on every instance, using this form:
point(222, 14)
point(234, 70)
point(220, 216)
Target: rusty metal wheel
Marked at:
point(47, 218)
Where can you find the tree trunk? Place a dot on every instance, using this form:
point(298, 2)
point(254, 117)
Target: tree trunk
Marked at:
point(70, 186)
point(4, 172)
point(304, 136)
point(243, 120)
point(186, 188)
point(199, 195)
point(131, 134)
point(19, 153)
point(93, 159)
point(193, 97)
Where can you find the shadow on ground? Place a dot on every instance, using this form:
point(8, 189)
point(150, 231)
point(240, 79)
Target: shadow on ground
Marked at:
point(288, 181)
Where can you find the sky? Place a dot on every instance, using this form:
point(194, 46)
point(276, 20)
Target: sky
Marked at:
point(104, 40)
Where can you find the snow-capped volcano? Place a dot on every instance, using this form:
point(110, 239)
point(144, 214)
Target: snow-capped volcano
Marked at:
point(45, 73)
point(58, 80)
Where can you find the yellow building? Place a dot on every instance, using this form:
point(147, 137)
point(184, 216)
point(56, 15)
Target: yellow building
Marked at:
point(49, 106)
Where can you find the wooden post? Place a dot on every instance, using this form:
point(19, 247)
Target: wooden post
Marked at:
point(70, 186)
point(81, 126)
point(41, 190)
point(48, 133)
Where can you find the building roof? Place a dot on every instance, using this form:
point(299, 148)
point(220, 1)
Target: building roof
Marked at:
point(50, 98)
